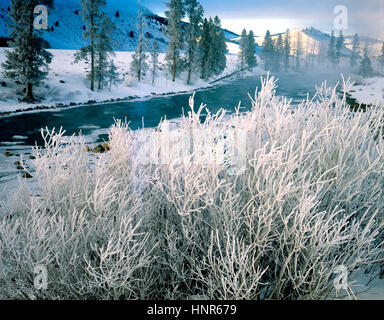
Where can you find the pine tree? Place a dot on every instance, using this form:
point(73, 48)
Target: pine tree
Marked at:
point(219, 47)
point(194, 12)
point(139, 58)
point(312, 46)
point(339, 45)
point(203, 49)
point(279, 52)
point(287, 49)
point(28, 61)
point(268, 51)
point(366, 65)
point(104, 49)
point(112, 74)
point(251, 51)
point(331, 48)
point(298, 50)
point(204, 46)
point(93, 17)
point(154, 60)
point(355, 50)
point(243, 49)
point(212, 49)
point(175, 14)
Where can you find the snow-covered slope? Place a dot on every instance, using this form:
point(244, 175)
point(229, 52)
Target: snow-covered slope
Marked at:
point(313, 41)
point(374, 45)
point(66, 24)
point(229, 35)
point(317, 42)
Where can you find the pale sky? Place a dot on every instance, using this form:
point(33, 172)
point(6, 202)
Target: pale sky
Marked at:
point(365, 17)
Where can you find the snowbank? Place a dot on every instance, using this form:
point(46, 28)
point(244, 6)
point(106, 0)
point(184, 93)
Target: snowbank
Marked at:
point(370, 91)
point(66, 83)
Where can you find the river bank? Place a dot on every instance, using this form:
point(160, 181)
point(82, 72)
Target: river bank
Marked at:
point(368, 91)
point(66, 85)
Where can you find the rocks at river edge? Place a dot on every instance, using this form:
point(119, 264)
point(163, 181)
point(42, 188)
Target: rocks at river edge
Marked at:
point(7, 154)
point(99, 149)
point(87, 149)
point(106, 147)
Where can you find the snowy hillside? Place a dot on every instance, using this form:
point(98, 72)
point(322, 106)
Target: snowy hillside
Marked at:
point(66, 24)
point(374, 45)
point(229, 35)
point(313, 41)
point(317, 42)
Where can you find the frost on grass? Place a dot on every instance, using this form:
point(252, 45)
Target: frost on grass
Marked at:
point(261, 205)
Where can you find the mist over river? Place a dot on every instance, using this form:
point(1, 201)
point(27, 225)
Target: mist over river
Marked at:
point(24, 129)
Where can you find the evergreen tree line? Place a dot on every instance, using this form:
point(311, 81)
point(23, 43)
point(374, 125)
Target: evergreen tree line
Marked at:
point(365, 67)
point(196, 47)
point(247, 54)
point(276, 54)
point(281, 53)
point(334, 48)
point(98, 52)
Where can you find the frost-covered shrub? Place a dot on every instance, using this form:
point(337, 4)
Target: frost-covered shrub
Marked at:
point(85, 226)
point(261, 205)
point(306, 203)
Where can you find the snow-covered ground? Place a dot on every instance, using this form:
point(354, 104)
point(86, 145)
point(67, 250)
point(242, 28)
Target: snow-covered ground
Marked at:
point(369, 287)
point(363, 286)
point(66, 82)
point(370, 91)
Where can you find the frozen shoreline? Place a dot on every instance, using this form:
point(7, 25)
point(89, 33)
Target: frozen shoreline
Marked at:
point(66, 85)
point(369, 92)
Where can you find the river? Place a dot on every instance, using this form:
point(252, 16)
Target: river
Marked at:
point(24, 129)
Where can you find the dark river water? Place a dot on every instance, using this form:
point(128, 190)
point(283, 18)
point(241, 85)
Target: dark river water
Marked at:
point(89, 118)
